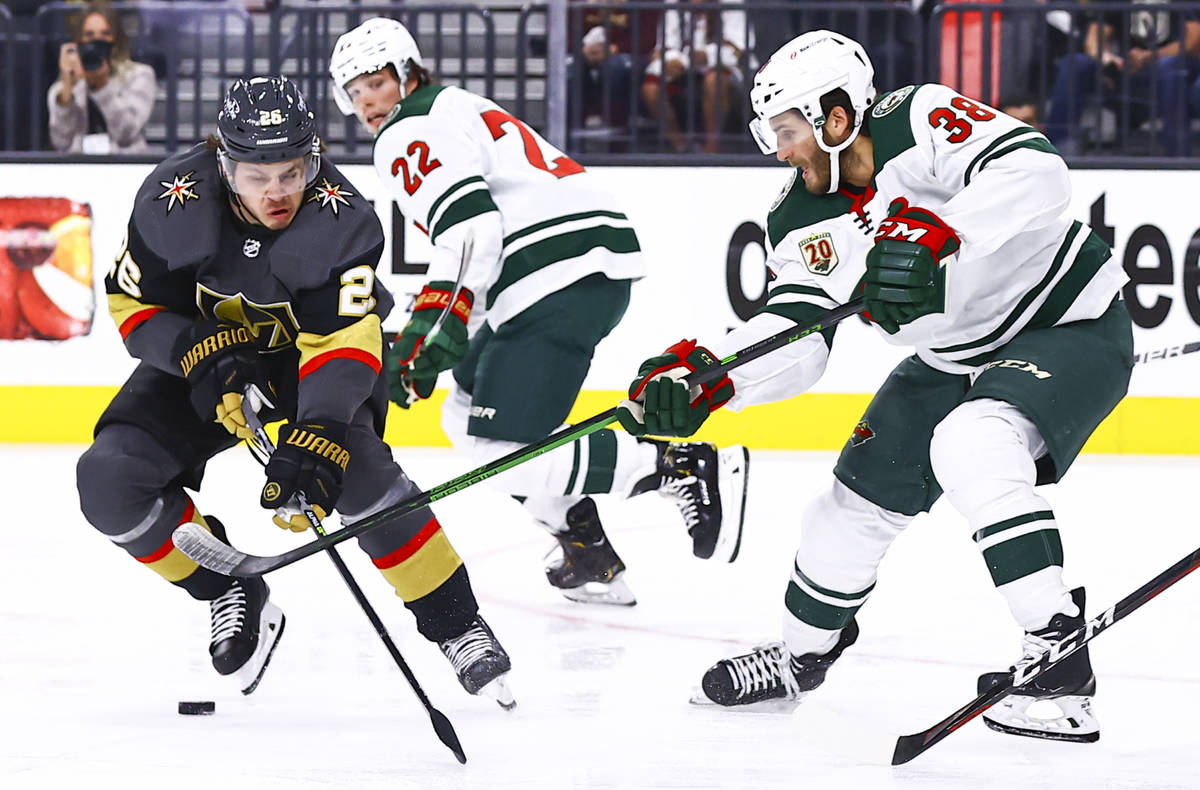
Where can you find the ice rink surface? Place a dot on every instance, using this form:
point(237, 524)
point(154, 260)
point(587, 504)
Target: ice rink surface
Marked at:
point(95, 651)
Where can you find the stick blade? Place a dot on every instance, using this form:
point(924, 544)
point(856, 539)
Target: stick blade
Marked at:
point(203, 547)
point(908, 747)
point(445, 732)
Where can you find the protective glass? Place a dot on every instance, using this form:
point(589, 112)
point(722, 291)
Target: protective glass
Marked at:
point(276, 178)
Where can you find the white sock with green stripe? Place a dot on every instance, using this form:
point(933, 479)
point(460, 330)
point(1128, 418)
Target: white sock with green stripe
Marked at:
point(983, 456)
point(1024, 556)
point(843, 539)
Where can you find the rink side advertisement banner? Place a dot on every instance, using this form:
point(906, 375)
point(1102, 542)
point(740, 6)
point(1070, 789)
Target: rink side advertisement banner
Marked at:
point(701, 230)
point(46, 283)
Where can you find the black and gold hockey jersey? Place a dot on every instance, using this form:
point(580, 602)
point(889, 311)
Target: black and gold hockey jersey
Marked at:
point(307, 293)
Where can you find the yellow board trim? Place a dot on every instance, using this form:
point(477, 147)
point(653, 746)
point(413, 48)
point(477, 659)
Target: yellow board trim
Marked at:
point(814, 421)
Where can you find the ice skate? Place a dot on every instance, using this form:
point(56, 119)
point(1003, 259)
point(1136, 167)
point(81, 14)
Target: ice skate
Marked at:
point(1068, 686)
point(584, 567)
point(480, 662)
point(769, 674)
point(709, 488)
point(246, 627)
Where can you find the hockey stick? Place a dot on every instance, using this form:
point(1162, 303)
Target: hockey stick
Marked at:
point(204, 548)
point(467, 248)
point(1170, 352)
point(909, 746)
point(261, 448)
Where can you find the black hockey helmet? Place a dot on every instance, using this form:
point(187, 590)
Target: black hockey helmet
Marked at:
point(266, 120)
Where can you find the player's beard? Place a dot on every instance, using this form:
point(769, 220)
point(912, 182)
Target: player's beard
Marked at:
point(818, 171)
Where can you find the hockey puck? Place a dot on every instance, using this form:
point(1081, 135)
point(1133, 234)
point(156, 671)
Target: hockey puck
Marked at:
point(206, 708)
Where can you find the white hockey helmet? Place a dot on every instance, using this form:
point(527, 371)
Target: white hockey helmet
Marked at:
point(799, 74)
point(369, 47)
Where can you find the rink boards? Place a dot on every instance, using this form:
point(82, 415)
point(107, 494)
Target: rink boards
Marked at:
point(701, 230)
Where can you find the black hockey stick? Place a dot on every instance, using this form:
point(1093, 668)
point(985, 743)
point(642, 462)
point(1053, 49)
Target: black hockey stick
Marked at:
point(909, 746)
point(204, 548)
point(262, 447)
point(1170, 352)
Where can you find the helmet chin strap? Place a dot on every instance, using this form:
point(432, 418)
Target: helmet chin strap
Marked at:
point(835, 151)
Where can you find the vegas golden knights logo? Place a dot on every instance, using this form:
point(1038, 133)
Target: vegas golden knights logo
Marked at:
point(272, 325)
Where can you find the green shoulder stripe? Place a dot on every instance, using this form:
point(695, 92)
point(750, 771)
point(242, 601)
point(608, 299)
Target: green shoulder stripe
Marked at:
point(799, 208)
point(416, 103)
point(889, 125)
point(469, 205)
point(447, 193)
point(999, 148)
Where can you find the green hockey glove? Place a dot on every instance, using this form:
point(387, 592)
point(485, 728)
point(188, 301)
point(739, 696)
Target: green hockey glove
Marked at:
point(905, 276)
point(660, 403)
point(416, 358)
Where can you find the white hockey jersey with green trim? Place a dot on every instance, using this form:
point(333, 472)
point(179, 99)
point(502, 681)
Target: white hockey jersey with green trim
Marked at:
point(1023, 263)
point(455, 162)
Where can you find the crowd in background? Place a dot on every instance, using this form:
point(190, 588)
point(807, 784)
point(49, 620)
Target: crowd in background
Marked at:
point(671, 76)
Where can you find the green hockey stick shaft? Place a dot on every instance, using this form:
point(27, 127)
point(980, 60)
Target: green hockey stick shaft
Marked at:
point(202, 547)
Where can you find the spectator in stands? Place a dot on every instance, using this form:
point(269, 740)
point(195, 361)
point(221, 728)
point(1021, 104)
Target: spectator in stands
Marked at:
point(102, 99)
point(600, 83)
point(629, 32)
point(1160, 63)
point(1021, 106)
point(697, 52)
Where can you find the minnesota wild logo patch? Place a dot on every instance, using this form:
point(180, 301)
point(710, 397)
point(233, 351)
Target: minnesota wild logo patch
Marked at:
point(892, 101)
point(862, 434)
point(786, 189)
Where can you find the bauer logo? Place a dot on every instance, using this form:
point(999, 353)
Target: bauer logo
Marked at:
point(483, 412)
point(892, 101)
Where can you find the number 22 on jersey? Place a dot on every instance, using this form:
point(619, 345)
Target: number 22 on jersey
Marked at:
point(424, 166)
point(561, 167)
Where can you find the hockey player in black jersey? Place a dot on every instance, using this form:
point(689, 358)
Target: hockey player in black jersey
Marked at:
point(250, 261)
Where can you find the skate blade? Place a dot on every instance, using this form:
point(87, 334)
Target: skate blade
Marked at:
point(700, 699)
point(733, 476)
point(498, 690)
point(270, 631)
point(1075, 721)
point(614, 593)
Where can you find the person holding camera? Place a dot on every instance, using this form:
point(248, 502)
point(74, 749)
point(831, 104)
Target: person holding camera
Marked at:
point(102, 100)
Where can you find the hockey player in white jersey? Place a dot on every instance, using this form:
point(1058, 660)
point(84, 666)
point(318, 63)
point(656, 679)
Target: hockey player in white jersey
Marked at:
point(531, 267)
point(951, 218)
